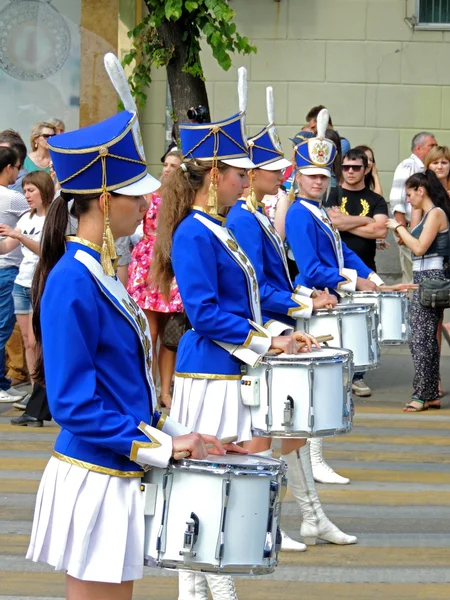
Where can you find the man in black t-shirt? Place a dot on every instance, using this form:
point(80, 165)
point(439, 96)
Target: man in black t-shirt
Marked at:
point(357, 212)
point(360, 215)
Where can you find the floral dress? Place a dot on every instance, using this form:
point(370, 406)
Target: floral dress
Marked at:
point(147, 296)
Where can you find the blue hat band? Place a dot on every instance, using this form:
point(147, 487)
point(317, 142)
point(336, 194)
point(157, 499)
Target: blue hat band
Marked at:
point(214, 141)
point(107, 163)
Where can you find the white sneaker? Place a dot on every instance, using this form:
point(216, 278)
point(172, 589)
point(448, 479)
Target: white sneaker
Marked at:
point(288, 544)
point(359, 388)
point(6, 397)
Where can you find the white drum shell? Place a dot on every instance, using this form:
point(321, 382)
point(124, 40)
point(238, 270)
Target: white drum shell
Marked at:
point(393, 311)
point(198, 487)
point(319, 383)
point(354, 327)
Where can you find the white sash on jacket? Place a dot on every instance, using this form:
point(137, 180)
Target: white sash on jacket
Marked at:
point(327, 227)
point(113, 289)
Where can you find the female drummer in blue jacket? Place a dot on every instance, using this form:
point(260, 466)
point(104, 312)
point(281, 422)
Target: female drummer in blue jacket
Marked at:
point(95, 359)
point(219, 289)
point(255, 233)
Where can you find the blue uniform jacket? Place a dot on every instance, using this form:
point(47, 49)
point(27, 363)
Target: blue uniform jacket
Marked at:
point(95, 373)
point(215, 294)
point(315, 254)
point(278, 299)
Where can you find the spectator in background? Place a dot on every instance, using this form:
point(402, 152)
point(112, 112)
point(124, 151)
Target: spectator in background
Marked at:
point(39, 191)
point(429, 244)
point(12, 206)
point(39, 157)
point(311, 120)
point(360, 215)
point(58, 125)
point(149, 298)
point(421, 144)
point(12, 139)
point(15, 352)
point(372, 178)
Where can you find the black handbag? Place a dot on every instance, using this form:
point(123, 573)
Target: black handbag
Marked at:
point(435, 293)
point(175, 328)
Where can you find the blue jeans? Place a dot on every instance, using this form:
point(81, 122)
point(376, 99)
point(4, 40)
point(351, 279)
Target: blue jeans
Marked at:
point(358, 375)
point(7, 317)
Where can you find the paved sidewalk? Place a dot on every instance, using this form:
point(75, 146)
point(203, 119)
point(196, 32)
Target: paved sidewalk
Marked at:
point(398, 504)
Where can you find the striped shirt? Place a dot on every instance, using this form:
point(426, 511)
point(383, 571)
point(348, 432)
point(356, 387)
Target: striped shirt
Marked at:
point(397, 198)
point(12, 206)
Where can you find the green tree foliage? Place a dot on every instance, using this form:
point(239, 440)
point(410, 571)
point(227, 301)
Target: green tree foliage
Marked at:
point(191, 20)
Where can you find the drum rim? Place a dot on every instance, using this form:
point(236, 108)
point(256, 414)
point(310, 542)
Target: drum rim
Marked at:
point(268, 468)
point(354, 307)
point(310, 357)
point(380, 294)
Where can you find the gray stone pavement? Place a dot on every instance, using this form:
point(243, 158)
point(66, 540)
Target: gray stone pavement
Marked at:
point(398, 504)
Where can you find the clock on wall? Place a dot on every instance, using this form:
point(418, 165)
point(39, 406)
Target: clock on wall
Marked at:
point(34, 40)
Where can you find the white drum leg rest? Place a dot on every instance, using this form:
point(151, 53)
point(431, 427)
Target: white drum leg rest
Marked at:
point(192, 586)
point(315, 523)
point(222, 587)
point(287, 543)
point(322, 471)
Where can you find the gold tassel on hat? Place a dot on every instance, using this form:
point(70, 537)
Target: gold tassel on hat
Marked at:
point(212, 206)
point(108, 254)
point(251, 201)
point(291, 194)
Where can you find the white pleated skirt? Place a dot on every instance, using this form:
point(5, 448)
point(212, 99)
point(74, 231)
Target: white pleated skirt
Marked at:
point(89, 524)
point(211, 407)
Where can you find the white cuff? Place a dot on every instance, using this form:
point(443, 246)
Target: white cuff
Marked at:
point(302, 290)
point(400, 208)
point(276, 328)
point(349, 283)
point(375, 278)
point(255, 346)
point(155, 453)
point(168, 425)
point(303, 309)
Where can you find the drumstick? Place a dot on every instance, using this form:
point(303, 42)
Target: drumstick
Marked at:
point(320, 338)
point(328, 306)
point(186, 453)
point(399, 287)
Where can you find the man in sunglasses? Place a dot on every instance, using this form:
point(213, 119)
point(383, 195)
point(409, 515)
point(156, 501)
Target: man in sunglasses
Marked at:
point(360, 215)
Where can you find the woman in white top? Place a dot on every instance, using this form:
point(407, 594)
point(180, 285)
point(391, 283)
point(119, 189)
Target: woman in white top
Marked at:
point(39, 190)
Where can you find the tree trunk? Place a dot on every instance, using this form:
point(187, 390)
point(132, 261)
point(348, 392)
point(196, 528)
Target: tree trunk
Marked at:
point(186, 91)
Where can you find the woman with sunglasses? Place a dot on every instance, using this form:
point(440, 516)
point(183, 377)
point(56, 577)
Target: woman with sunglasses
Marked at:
point(39, 158)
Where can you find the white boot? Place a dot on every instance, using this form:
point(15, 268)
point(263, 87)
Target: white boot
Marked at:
point(192, 586)
point(287, 543)
point(322, 472)
point(315, 523)
point(222, 587)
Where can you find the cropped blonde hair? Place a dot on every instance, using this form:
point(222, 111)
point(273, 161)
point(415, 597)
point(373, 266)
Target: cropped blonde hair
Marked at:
point(36, 131)
point(436, 153)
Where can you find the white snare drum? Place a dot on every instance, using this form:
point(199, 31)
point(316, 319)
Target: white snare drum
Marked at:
point(218, 515)
point(300, 395)
point(393, 312)
point(354, 327)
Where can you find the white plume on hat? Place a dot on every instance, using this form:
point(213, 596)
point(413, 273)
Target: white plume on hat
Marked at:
point(323, 119)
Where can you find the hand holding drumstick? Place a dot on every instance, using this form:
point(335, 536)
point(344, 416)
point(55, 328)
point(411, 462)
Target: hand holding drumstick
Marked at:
point(215, 446)
point(304, 343)
point(323, 299)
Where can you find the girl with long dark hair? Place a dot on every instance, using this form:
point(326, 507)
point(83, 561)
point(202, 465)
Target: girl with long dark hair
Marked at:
point(430, 245)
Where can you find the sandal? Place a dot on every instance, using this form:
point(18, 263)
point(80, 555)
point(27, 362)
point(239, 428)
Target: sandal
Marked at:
point(412, 406)
point(436, 404)
point(168, 403)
